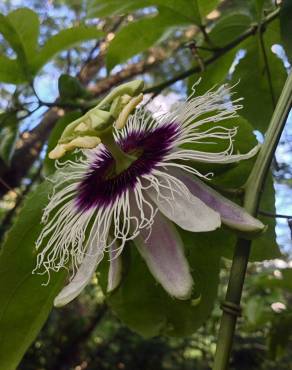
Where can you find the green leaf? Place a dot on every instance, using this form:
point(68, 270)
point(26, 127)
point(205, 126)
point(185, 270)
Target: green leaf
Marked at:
point(8, 137)
point(228, 28)
point(252, 75)
point(213, 74)
point(10, 71)
point(149, 310)
point(24, 302)
point(11, 35)
point(141, 35)
point(206, 6)
point(20, 28)
point(26, 24)
point(266, 247)
point(104, 8)
point(286, 26)
point(63, 40)
point(49, 164)
point(193, 10)
point(70, 88)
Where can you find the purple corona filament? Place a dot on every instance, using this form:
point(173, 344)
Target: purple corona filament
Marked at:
point(101, 188)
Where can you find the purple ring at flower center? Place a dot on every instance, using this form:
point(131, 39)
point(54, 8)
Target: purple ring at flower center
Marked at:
point(100, 188)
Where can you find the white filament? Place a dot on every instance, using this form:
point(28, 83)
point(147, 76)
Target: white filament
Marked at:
point(69, 233)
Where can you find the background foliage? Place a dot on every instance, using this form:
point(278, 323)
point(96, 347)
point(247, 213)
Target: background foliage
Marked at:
point(57, 59)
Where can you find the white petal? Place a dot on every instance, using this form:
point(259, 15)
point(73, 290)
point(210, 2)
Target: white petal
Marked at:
point(115, 269)
point(94, 254)
point(80, 280)
point(186, 210)
point(231, 214)
point(163, 253)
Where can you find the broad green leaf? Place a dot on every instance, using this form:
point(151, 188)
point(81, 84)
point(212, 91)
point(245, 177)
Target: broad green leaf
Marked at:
point(206, 7)
point(24, 302)
point(286, 27)
point(10, 71)
point(149, 310)
point(141, 35)
point(63, 40)
point(20, 28)
point(9, 32)
point(257, 7)
point(266, 247)
point(70, 88)
point(26, 24)
point(193, 10)
point(49, 164)
point(104, 8)
point(228, 28)
point(253, 78)
point(8, 137)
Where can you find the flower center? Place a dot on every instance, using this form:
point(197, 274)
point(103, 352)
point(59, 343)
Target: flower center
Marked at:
point(102, 185)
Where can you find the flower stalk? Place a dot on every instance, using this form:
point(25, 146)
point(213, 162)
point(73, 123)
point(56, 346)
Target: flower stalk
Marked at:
point(122, 160)
point(253, 192)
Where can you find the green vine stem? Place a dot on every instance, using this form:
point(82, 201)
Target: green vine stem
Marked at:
point(253, 192)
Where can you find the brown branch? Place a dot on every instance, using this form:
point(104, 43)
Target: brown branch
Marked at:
point(274, 215)
point(28, 150)
point(131, 71)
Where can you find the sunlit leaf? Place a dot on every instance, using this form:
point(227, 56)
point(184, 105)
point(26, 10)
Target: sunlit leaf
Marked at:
point(260, 92)
point(193, 10)
point(26, 24)
point(20, 28)
point(63, 40)
point(141, 35)
point(10, 71)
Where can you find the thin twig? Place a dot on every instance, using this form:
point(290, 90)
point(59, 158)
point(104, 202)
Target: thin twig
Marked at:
point(251, 31)
point(274, 215)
